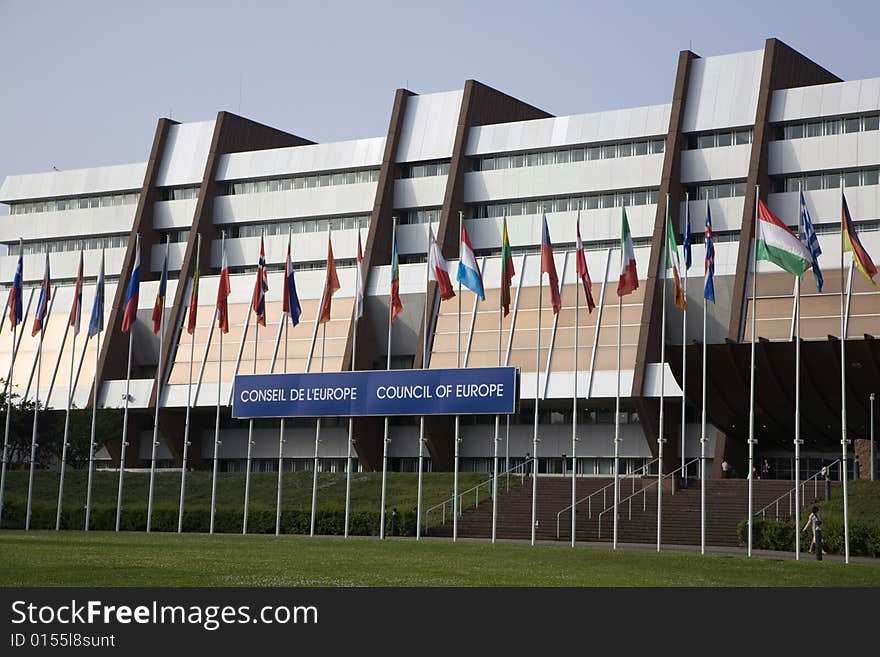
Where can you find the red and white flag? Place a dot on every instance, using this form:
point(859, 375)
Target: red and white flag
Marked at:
point(582, 271)
point(359, 298)
point(437, 270)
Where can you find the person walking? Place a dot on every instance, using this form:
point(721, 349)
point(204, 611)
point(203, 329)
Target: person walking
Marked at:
point(816, 521)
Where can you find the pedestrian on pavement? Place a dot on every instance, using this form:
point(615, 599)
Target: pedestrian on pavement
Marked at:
point(816, 521)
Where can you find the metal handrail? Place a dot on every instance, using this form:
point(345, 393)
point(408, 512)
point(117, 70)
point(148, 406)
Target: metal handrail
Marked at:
point(643, 491)
point(476, 490)
point(814, 478)
point(602, 490)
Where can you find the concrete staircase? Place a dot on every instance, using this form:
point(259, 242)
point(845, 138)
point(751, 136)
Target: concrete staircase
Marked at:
point(726, 507)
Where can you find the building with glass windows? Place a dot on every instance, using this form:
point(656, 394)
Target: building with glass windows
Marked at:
point(736, 127)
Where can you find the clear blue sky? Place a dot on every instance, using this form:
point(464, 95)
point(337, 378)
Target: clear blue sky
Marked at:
point(84, 82)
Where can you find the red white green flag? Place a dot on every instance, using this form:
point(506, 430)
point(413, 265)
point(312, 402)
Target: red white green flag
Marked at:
point(629, 276)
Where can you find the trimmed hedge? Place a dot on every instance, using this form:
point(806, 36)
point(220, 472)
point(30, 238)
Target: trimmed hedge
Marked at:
point(261, 520)
point(771, 534)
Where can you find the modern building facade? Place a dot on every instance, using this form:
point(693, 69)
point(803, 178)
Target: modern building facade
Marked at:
point(766, 124)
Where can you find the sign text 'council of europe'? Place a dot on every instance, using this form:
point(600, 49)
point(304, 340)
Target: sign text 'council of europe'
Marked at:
point(475, 391)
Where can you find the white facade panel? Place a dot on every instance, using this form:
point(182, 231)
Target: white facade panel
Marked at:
point(419, 192)
point(185, 155)
point(638, 172)
point(310, 202)
point(175, 256)
point(76, 182)
point(705, 164)
point(613, 125)
point(834, 99)
point(68, 223)
point(174, 214)
point(844, 151)
point(414, 238)
point(824, 207)
point(334, 156)
point(429, 125)
point(723, 91)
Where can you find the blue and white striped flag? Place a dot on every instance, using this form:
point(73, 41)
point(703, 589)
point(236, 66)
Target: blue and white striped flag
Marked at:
point(808, 236)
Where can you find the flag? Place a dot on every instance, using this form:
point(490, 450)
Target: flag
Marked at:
point(43, 302)
point(851, 243)
point(811, 241)
point(507, 270)
point(359, 298)
point(396, 303)
point(16, 310)
point(290, 299)
point(261, 286)
point(331, 283)
point(673, 263)
point(629, 275)
point(709, 266)
point(686, 242)
point(437, 268)
point(159, 306)
point(548, 266)
point(76, 305)
point(468, 272)
point(96, 322)
point(194, 294)
point(777, 244)
point(223, 289)
point(582, 271)
point(129, 306)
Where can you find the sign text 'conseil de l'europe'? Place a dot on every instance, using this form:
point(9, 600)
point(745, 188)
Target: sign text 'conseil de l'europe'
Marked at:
point(475, 391)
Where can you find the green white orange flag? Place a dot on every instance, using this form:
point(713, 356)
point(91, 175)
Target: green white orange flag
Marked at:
point(777, 244)
point(629, 276)
point(673, 263)
point(507, 270)
point(851, 243)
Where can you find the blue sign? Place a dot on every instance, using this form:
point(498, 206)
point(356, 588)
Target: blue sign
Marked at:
point(474, 391)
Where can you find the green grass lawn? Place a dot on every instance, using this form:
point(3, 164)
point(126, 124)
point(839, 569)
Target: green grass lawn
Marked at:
point(139, 559)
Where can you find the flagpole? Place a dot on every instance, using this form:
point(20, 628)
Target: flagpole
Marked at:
point(284, 319)
point(660, 439)
point(534, 466)
point(455, 501)
point(424, 367)
point(703, 433)
point(617, 414)
point(66, 418)
point(843, 439)
point(684, 317)
point(574, 410)
point(158, 396)
point(189, 399)
point(8, 416)
point(219, 386)
point(317, 437)
point(27, 524)
point(94, 420)
point(124, 427)
point(497, 440)
point(250, 443)
point(386, 438)
point(353, 367)
point(797, 420)
point(752, 440)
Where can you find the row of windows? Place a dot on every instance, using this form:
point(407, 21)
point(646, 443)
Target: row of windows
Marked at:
point(426, 216)
point(178, 193)
point(341, 263)
point(725, 189)
point(425, 169)
point(303, 181)
point(599, 245)
point(719, 139)
point(566, 203)
point(297, 226)
point(814, 181)
point(566, 155)
point(55, 205)
point(59, 246)
point(820, 128)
